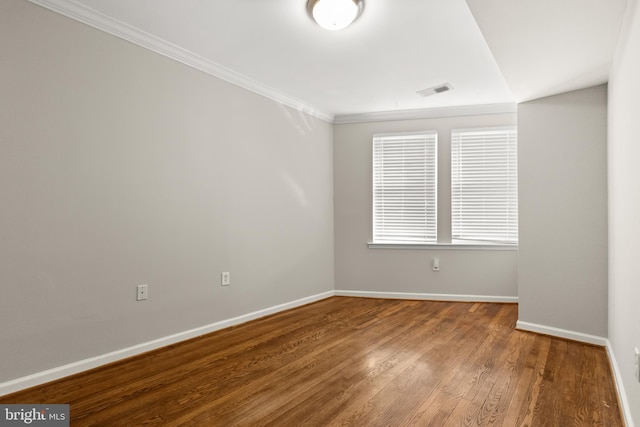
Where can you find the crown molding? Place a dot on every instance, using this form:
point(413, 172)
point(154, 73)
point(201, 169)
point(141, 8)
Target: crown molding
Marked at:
point(426, 113)
point(81, 13)
point(95, 19)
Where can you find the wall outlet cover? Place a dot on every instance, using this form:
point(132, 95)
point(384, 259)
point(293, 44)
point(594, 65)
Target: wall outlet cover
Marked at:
point(142, 292)
point(225, 279)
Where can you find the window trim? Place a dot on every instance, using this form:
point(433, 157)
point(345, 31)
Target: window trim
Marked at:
point(444, 246)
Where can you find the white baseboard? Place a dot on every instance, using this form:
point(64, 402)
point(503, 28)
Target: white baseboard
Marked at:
point(622, 395)
point(589, 339)
point(94, 362)
point(561, 333)
point(431, 297)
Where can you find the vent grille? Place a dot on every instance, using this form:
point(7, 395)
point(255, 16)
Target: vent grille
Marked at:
point(444, 87)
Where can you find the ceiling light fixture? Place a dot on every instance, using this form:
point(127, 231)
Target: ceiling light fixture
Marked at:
point(334, 14)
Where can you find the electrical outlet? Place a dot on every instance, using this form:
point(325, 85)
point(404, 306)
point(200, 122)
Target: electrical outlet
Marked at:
point(143, 292)
point(637, 360)
point(225, 279)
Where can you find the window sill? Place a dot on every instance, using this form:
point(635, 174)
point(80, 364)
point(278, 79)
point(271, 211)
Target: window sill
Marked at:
point(444, 246)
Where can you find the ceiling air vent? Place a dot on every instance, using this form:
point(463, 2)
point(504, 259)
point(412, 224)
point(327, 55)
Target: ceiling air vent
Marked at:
point(444, 87)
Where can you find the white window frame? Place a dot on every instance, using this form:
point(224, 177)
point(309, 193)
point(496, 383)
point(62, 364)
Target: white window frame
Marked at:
point(484, 186)
point(402, 214)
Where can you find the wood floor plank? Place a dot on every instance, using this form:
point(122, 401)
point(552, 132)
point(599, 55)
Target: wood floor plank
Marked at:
point(382, 362)
point(352, 362)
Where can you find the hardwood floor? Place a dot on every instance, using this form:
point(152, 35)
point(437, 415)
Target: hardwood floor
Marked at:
point(352, 362)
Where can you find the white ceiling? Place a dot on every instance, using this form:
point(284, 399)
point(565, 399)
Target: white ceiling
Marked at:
point(395, 48)
point(545, 47)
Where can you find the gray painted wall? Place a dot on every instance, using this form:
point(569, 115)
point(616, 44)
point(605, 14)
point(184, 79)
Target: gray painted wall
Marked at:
point(120, 167)
point(358, 268)
point(562, 167)
point(624, 206)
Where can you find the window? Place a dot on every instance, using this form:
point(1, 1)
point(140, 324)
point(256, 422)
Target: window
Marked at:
point(484, 186)
point(405, 188)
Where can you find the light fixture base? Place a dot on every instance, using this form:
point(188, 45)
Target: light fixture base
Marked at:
point(334, 15)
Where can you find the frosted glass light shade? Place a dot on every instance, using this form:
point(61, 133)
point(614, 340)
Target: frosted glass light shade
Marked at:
point(334, 15)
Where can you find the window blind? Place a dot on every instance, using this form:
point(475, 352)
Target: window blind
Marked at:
point(404, 188)
point(484, 186)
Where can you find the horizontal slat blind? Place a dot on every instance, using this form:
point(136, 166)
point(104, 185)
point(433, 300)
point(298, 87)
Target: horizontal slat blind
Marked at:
point(484, 185)
point(404, 188)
